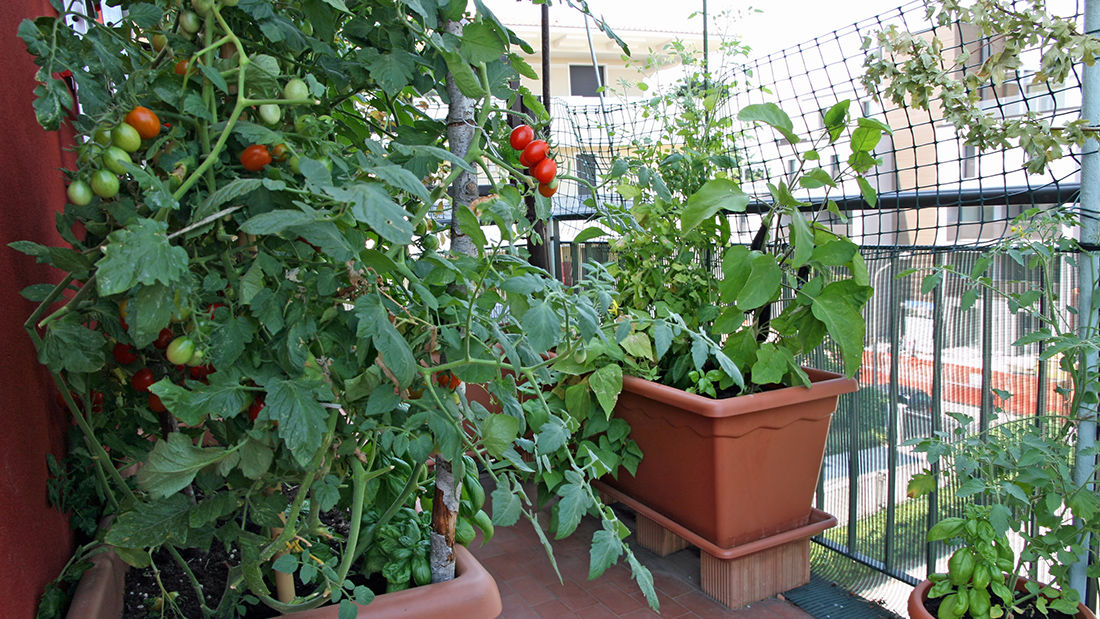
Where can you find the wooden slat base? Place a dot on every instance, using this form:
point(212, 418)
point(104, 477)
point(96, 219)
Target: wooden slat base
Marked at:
point(758, 576)
point(656, 538)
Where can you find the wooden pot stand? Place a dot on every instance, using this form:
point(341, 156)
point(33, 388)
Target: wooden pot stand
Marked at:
point(738, 575)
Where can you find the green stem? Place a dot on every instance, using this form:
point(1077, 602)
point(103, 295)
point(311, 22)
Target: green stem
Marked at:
point(407, 491)
point(195, 584)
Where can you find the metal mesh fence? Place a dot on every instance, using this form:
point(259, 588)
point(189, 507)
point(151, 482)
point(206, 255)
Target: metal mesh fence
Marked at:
point(940, 203)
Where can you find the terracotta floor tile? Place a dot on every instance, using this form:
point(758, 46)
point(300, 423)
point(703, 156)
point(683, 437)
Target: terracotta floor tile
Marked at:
point(698, 603)
point(531, 590)
point(553, 610)
point(615, 599)
point(573, 595)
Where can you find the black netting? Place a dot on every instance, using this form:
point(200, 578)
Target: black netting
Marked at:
point(934, 189)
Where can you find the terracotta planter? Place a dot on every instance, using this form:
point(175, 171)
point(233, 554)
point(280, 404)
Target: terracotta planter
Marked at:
point(920, 594)
point(473, 594)
point(733, 470)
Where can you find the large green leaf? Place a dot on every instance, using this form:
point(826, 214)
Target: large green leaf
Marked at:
point(771, 114)
point(605, 552)
point(506, 506)
point(607, 383)
point(302, 419)
point(481, 43)
point(69, 346)
point(374, 206)
point(139, 254)
point(542, 326)
point(464, 77)
point(149, 311)
point(152, 524)
point(374, 323)
point(715, 195)
point(838, 306)
point(223, 397)
point(498, 433)
point(173, 464)
point(572, 505)
point(762, 283)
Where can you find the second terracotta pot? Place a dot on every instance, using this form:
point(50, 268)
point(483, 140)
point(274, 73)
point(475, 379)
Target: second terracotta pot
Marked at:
point(732, 470)
point(920, 594)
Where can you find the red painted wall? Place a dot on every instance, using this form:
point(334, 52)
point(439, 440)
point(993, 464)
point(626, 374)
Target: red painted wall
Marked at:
point(35, 541)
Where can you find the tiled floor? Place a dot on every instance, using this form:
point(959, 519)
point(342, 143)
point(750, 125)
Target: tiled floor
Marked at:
point(529, 587)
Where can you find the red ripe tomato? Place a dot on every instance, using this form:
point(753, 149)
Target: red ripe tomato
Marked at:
point(144, 120)
point(200, 372)
point(534, 152)
point(279, 152)
point(545, 170)
point(548, 189)
point(142, 379)
point(164, 338)
point(181, 68)
point(254, 410)
point(124, 354)
point(521, 137)
point(255, 157)
point(97, 402)
point(155, 404)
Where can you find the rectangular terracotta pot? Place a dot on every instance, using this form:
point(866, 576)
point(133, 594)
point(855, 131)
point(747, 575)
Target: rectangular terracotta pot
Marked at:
point(732, 470)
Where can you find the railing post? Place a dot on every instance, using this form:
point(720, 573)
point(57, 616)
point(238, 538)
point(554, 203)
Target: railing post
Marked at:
point(1090, 196)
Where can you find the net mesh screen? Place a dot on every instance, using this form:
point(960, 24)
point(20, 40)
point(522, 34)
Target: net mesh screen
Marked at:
point(934, 189)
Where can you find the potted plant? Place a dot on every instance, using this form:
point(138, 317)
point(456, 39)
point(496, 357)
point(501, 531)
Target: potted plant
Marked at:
point(1036, 494)
point(255, 317)
point(704, 354)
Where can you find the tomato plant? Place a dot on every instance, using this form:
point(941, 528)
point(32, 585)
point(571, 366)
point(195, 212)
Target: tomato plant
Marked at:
point(144, 120)
point(255, 157)
point(521, 136)
point(548, 189)
point(318, 289)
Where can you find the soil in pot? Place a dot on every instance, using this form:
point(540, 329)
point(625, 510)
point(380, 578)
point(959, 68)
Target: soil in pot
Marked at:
point(211, 569)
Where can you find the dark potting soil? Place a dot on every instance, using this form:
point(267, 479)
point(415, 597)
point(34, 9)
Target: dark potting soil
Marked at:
point(1028, 611)
point(143, 597)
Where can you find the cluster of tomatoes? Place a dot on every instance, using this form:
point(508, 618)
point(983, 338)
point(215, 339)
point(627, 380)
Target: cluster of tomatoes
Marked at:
point(535, 156)
point(179, 351)
point(114, 147)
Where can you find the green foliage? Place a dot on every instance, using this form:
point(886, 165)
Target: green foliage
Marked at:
point(676, 232)
point(322, 311)
point(920, 70)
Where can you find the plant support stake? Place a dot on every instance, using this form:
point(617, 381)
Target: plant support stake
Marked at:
point(1090, 195)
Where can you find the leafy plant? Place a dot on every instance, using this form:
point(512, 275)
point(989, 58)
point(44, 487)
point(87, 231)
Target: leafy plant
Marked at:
point(254, 287)
point(1023, 470)
point(724, 335)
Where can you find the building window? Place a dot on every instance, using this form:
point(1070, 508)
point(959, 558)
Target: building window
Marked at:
point(970, 161)
point(970, 215)
point(586, 170)
point(582, 80)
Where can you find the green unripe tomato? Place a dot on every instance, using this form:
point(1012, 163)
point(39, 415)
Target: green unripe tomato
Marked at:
point(159, 42)
point(190, 22)
point(126, 137)
point(295, 89)
point(79, 193)
point(580, 356)
point(302, 122)
point(114, 157)
point(307, 28)
point(180, 350)
point(202, 7)
point(102, 136)
point(198, 358)
point(294, 163)
point(429, 242)
point(104, 184)
point(270, 113)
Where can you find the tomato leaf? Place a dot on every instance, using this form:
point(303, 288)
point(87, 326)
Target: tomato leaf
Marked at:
point(69, 346)
point(607, 383)
point(463, 75)
point(499, 432)
point(717, 194)
point(302, 419)
point(605, 551)
point(173, 464)
point(542, 326)
point(373, 205)
point(139, 253)
point(481, 43)
point(506, 506)
point(572, 505)
point(374, 323)
point(152, 524)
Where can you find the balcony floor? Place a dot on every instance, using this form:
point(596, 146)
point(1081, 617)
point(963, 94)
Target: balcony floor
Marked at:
point(529, 588)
